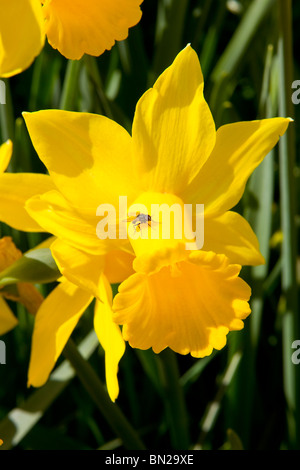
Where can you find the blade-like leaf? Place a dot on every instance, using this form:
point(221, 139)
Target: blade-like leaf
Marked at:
point(36, 266)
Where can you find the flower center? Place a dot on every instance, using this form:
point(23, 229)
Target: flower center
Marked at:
point(157, 230)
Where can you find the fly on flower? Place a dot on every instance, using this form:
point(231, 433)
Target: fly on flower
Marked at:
point(139, 219)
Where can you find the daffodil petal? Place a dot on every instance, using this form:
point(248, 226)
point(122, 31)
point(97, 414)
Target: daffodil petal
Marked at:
point(230, 234)
point(78, 267)
point(110, 337)
point(54, 324)
point(173, 130)
point(85, 270)
point(5, 155)
point(190, 310)
point(7, 319)
point(239, 149)
point(77, 27)
point(88, 157)
point(56, 216)
point(16, 189)
point(21, 35)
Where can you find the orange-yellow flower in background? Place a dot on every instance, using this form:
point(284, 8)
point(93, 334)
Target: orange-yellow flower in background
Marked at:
point(24, 293)
point(74, 27)
point(177, 298)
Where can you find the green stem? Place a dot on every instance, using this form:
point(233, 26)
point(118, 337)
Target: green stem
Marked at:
point(170, 25)
point(70, 87)
point(95, 77)
point(291, 329)
point(97, 392)
point(174, 400)
point(236, 52)
point(7, 120)
point(241, 39)
point(214, 408)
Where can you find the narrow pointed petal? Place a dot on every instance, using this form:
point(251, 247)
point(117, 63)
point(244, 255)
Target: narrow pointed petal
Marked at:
point(54, 324)
point(85, 270)
point(190, 310)
point(110, 337)
point(79, 267)
point(173, 130)
point(88, 157)
point(77, 27)
point(239, 149)
point(231, 235)
point(16, 189)
point(5, 155)
point(22, 35)
point(7, 319)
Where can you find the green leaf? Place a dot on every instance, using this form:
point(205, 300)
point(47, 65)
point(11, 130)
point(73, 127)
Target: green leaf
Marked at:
point(36, 266)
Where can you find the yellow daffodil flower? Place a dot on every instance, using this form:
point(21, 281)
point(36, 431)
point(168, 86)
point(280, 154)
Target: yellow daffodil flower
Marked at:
point(74, 27)
point(180, 298)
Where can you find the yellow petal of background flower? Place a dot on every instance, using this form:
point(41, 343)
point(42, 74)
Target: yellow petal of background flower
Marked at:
point(54, 323)
point(239, 149)
point(173, 130)
point(231, 235)
point(190, 311)
point(88, 156)
point(7, 319)
point(15, 189)
point(76, 27)
point(110, 337)
point(21, 35)
point(5, 155)
point(9, 253)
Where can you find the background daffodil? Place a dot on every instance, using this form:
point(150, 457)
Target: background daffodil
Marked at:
point(22, 292)
point(186, 300)
point(74, 27)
